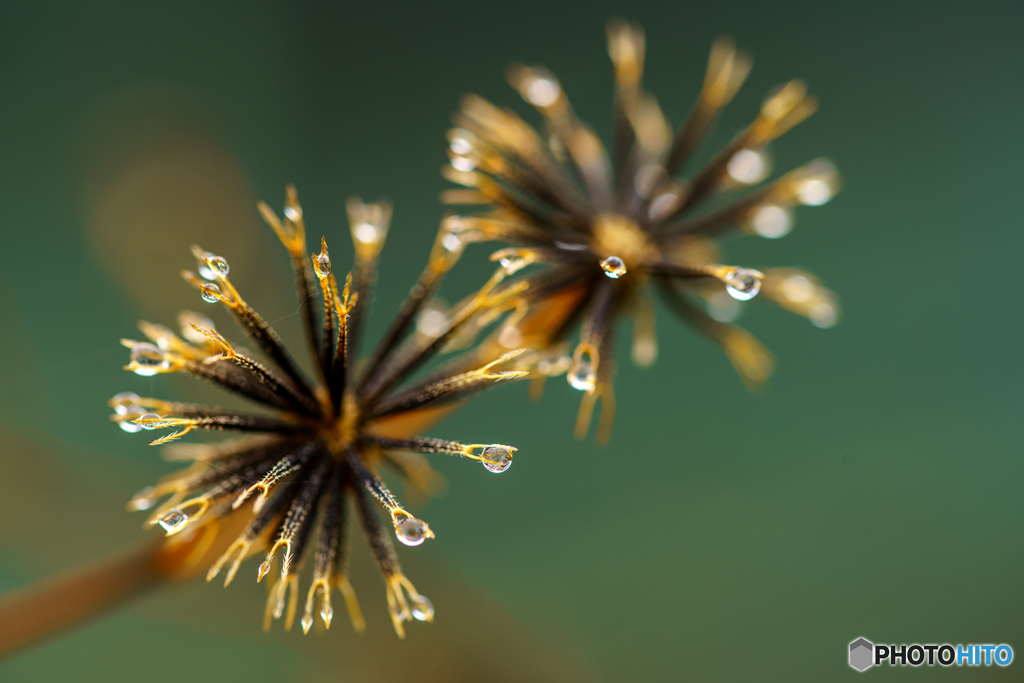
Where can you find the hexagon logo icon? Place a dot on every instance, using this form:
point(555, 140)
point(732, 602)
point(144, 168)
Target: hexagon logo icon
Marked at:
point(862, 653)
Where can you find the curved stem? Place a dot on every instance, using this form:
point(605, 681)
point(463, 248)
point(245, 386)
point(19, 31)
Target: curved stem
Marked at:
point(42, 609)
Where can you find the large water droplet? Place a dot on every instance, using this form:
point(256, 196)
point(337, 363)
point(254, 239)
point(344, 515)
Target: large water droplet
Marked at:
point(148, 416)
point(293, 213)
point(307, 622)
point(210, 293)
point(327, 613)
point(411, 531)
point(496, 458)
point(421, 608)
point(614, 267)
point(581, 373)
point(212, 266)
point(173, 521)
point(324, 264)
point(771, 221)
point(743, 283)
point(148, 359)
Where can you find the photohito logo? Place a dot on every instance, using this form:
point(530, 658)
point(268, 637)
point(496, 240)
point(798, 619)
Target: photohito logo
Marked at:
point(864, 654)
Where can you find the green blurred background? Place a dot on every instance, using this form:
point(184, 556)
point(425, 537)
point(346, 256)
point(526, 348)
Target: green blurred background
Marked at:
point(873, 490)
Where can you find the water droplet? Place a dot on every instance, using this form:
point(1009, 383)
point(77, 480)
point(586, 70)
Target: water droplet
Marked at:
point(614, 267)
point(461, 146)
point(464, 164)
point(124, 401)
point(307, 622)
point(451, 242)
point(581, 373)
point(279, 605)
point(814, 192)
point(542, 92)
point(143, 500)
point(798, 288)
point(213, 266)
point(743, 283)
point(148, 416)
point(186, 319)
point(432, 320)
point(130, 427)
point(323, 262)
point(210, 293)
point(662, 205)
point(496, 458)
point(510, 338)
point(748, 166)
point(327, 613)
point(366, 233)
point(293, 213)
point(772, 221)
point(824, 314)
point(148, 359)
point(421, 608)
point(411, 531)
point(721, 306)
point(173, 521)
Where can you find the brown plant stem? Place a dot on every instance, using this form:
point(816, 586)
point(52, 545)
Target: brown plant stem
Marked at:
point(44, 608)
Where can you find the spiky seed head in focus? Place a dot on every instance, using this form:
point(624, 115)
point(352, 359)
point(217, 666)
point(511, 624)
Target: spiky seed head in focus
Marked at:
point(317, 447)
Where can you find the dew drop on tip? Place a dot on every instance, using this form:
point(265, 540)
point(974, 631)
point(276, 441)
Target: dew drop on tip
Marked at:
point(772, 221)
point(307, 622)
point(279, 606)
point(581, 374)
point(148, 416)
point(148, 359)
point(814, 192)
point(411, 531)
point(496, 458)
point(143, 500)
point(613, 267)
point(451, 242)
point(173, 520)
point(124, 401)
point(327, 613)
point(543, 92)
point(421, 608)
point(324, 263)
point(743, 283)
point(130, 427)
point(210, 293)
point(365, 233)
